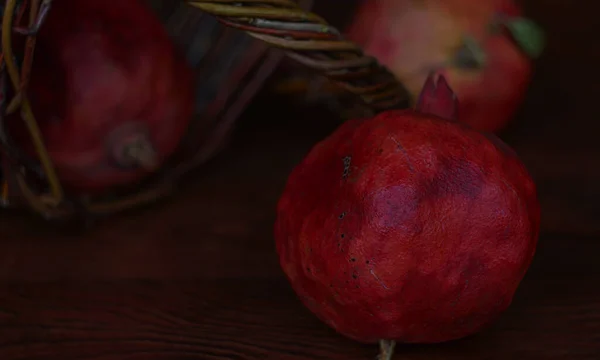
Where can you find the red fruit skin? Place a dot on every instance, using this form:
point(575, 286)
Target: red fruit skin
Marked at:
point(415, 37)
point(407, 227)
point(101, 65)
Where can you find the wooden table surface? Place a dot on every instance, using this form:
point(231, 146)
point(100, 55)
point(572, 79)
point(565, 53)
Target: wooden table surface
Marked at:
point(197, 277)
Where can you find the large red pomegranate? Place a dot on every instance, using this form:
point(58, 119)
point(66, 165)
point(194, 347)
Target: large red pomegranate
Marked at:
point(408, 227)
point(483, 47)
point(111, 94)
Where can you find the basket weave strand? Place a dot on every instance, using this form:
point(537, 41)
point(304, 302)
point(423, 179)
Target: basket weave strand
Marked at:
point(310, 40)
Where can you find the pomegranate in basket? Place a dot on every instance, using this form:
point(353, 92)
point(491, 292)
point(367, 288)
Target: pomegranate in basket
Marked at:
point(408, 227)
point(483, 47)
point(112, 96)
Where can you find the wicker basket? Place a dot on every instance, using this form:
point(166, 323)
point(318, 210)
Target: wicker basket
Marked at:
point(230, 65)
point(227, 41)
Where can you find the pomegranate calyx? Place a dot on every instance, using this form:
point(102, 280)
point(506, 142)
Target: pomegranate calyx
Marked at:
point(437, 98)
point(140, 153)
point(131, 147)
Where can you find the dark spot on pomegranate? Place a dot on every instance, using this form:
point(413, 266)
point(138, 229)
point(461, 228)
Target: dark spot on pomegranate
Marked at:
point(456, 177)
point(342, 215)
point(355, 276)
point(394, 206)
point(353, 259)
point(343, 236)
point(347, 161)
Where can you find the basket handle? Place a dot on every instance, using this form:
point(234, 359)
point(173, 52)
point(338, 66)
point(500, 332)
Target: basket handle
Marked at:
point(310, 40)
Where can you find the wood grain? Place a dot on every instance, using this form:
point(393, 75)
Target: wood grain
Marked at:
point(556, 315)
point(196, 277)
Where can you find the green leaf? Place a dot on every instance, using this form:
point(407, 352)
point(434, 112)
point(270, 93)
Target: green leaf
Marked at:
point(529, 36)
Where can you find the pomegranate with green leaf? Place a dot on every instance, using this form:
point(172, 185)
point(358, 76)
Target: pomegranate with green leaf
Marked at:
point(484, 48)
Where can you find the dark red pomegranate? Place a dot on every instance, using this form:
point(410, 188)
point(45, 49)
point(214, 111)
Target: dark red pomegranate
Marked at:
point(112, 96)
point(408, 227)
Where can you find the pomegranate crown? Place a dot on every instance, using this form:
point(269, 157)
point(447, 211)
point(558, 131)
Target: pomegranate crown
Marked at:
point(437, 98)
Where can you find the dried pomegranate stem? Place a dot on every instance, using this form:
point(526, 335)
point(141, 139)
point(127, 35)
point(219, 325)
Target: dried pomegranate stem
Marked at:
point(386, 349)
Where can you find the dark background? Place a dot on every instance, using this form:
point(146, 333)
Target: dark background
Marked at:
point(196, 277)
